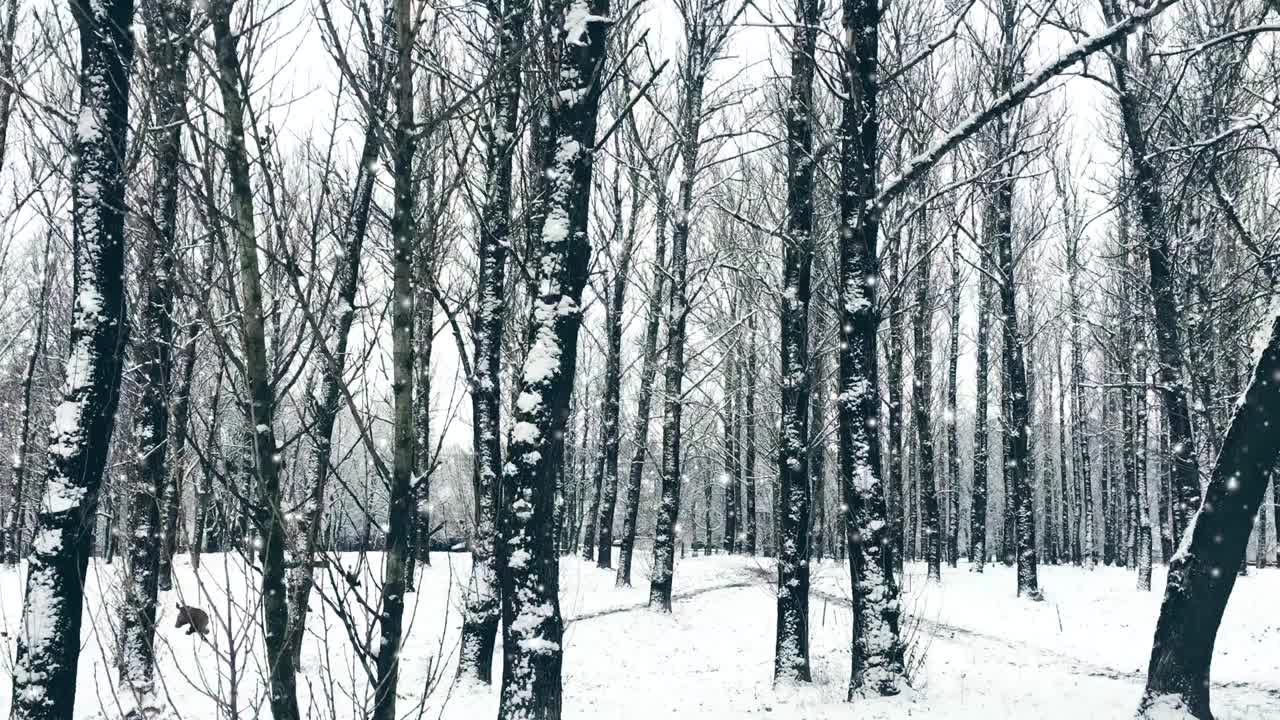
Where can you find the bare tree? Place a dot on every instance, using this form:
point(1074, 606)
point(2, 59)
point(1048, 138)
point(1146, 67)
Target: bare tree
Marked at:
point(49, 646)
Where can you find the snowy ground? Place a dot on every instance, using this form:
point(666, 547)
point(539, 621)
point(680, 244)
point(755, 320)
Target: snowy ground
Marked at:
point(984, 653)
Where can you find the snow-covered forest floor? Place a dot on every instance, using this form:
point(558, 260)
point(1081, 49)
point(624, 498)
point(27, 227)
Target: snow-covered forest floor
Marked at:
point(978, 651)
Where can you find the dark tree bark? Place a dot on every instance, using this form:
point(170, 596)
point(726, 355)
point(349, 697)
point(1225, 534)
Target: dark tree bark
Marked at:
point(424, 302)
point(749, 436)
point(1106, 485)
point(400, 502)
point(44, 685)
point(668, 512)
point(791, 658)
point(482, 607)
point(896, 492)
point(168, 43)
point(528, 564)
point(649, 368)
point(593, 511)
point(268, 516)
point(7, 90)
point(1143, 549)
point(204, 489)
point(876, 647)
point(1166, 509)
point(1017, 393)
point(172, 498)
point(1067, 532)
point(981, 442)
point(922, 401)
point(1079, 407)
point(817, 445)
point(953, 445)
point(611, 427)
point(730, 412)
point(1154, 236)
point(1203, 571)
point(704, 35)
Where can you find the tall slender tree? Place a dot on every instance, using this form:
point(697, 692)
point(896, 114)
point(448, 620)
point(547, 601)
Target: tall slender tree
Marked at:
point(400, 508)
point(791, 662)
point(260, 405)
point(501, 128)
point(707, 25)
point(168, 43)
point(44, 683)
point(528, 564)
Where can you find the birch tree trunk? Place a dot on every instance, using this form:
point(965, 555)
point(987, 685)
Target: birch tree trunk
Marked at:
point(44, 685)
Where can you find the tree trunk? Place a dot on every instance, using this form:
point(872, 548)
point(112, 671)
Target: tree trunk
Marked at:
point(45, 673)
point(1079, 407)
point(16, 522)
point(922, 400)
point(730, 411)
point(326, 400)
point(1153, 232)
point(204, 490)
point(640, 435)
point(400, 510)
point(668, 513)
point(953, 445)
point(876, 647)
point(791, 659)
point(172, 499)
point(168, 45)
point(1203, 570)
point(269, 516)
point(1017, 393)
point(1065, 528)
point(817, 445)
point(1143, 491)
point(593, 511)
point(611, 427)
point(529, 566)
point(482, 610)
point(981, 442)
point(424, 336)
point(749, 437)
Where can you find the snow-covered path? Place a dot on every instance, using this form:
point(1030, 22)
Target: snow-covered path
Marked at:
point(986, 654)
